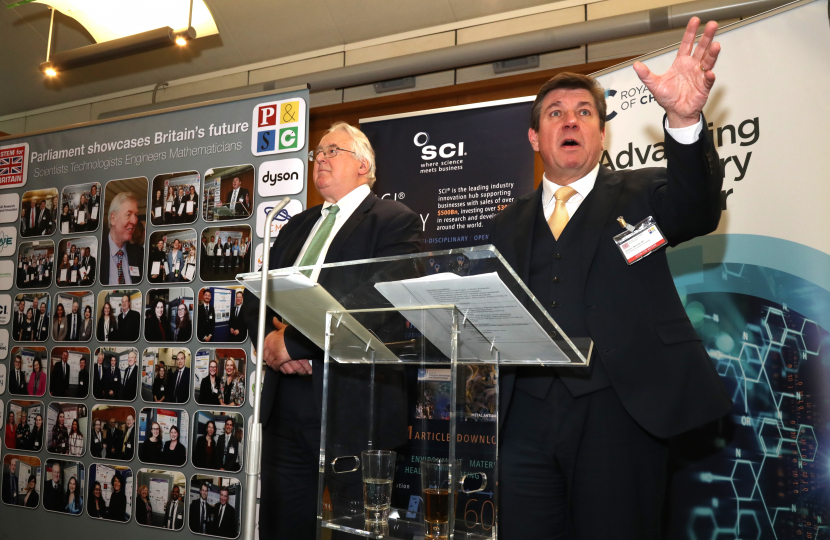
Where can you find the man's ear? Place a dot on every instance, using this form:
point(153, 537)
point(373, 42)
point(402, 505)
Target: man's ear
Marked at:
point(533, 137)
point(364, 167)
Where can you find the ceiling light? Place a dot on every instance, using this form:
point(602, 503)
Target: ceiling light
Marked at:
point(116, 48)
point(106, 20)
point(181, 42)
point(50, 71)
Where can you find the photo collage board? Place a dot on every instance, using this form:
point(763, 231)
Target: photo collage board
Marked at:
point(125, 375)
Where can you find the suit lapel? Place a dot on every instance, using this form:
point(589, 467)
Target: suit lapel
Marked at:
point(337, 243)
point(598, 206)
point(524, 232)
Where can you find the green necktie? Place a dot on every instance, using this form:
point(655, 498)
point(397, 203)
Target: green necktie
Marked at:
point(319, 240)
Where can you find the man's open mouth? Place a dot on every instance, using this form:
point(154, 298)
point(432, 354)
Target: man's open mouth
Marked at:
point(570, 142)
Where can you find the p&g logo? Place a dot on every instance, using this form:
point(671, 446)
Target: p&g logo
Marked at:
point(278, 126)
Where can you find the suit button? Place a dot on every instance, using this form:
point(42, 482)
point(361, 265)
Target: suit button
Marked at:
point(557, 256)
point(554, 304)
point(555, 279)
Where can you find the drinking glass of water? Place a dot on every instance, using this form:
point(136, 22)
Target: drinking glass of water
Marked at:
point(378, 471)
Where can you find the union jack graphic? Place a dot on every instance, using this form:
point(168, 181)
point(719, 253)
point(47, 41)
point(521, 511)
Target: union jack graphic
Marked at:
point(13, 165)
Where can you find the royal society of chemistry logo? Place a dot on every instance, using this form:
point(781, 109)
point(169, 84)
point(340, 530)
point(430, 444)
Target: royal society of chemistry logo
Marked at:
point(278, 126)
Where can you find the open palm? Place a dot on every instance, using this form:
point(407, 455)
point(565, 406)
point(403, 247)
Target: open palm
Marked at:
point(684, 89)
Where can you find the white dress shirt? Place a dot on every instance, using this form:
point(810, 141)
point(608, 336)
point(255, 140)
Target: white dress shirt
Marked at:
point(584, 185)
point(347, 205)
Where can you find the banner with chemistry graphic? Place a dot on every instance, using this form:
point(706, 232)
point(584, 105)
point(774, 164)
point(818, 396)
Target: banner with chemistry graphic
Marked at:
point(108, 222)
point(758, 289)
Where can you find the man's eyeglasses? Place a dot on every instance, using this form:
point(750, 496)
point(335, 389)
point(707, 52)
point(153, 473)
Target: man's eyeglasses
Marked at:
point(331, 151)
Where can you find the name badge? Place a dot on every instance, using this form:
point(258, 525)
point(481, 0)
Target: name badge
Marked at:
point(81, 383)
point(230, 451)
point(62, 325)
point(210, 317)
point(37, 444)
point(134, 272)
point(215, 391)
point(640, 240)
point(115, 378)
point(241, 199)
point(161, 389)
point(129, 446)
point(63, 445)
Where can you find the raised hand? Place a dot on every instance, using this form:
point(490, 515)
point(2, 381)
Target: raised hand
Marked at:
point(684, 89)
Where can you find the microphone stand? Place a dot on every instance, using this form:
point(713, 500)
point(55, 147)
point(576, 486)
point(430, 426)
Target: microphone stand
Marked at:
point(254, 453)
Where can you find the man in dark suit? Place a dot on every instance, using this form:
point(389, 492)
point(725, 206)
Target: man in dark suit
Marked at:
point(238, 200)
point(73, 321)
point(225, 516)
point(353, 224)
point(201, 513)
point(126, 450)
point(44, 219)
point(174, 511)
point(99, 376)
point(207, 318)
point(94, 200)
point(180, 380)
point(88, 261)
point(17, 378)
point(114, 439)
point(53, 490)
point(19, 318)
point(128, 389)
point(112, 378)
point(122, 262)
point(42, 323)
point(226, 253)
point(83, 380)
point(583, 450)
point(10, 486)
point(236, 325)
point(129, 321)
point(60, 377)
point(228, 448)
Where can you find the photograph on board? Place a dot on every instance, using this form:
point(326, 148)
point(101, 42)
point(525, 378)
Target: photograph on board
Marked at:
point(220, 317)
point(28, 371)
point(21, 478)
point(35, 263)
point(30, 321)
point(119, 316)
point(24, 425)
point(3, 380)
point(169, 315)
point(163, 436)
point(218, 443)
point(66, 428)
point(122, 246)
point(115, 376)
point(175, 198)
point(69, 373)
point(76, 262)
point(228, 193)
point(165, 375)
point(110, 494)
point(159, 499)
point(117, 438)
point(172, 257)
point(215, 505)
point(227, 252)
point(39, 213)
point(219, 377)
point(73, 320)
point(80, 209)
point(63, 486)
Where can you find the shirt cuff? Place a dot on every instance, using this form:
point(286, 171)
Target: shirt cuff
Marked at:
point(686, 135)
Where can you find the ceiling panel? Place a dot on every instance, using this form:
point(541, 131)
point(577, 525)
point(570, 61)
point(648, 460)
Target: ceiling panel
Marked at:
point(358, 20)
point(470, 9)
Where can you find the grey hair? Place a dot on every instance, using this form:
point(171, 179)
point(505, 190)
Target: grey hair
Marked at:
point(362, 147)
point(119, 200)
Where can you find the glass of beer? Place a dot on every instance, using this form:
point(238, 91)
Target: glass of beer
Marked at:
point(436, 488)
point(378, 472)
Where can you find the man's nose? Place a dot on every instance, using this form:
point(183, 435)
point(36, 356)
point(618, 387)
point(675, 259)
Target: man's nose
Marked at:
point(571, 120)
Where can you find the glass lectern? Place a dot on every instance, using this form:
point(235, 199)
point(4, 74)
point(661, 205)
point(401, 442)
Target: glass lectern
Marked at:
point(413, 347)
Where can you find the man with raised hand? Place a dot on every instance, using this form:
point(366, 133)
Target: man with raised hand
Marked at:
point(583, 450)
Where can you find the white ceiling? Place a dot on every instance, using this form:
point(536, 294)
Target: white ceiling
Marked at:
point(249, 31)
